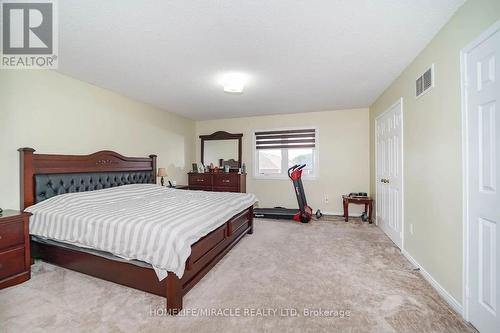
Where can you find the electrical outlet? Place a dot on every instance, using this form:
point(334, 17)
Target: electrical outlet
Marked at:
point(326, 198)
point(411, 228)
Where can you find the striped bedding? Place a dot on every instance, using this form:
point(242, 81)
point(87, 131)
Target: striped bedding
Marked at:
point(144, 222)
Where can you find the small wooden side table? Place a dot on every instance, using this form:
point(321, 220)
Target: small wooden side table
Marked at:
point(367, 201)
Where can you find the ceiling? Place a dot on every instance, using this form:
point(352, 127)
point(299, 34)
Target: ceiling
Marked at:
point(300, 55)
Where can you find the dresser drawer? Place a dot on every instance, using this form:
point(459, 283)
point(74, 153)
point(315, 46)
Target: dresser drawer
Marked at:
point(11, 262)
point(11, 233)
point(226, 179)
point(225, 189)
point(200, 188)
point(200, 179)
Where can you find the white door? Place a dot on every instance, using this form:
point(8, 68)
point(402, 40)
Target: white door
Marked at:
point(482, 102)
point(389, 160)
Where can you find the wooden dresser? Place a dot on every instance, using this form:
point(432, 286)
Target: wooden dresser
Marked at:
point(218, 181)
point(14, 248)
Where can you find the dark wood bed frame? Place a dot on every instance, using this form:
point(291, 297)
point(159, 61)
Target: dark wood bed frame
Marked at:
point(205, 253)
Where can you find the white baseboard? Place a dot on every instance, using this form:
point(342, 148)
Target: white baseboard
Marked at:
point(339, 214)
point(441, 291)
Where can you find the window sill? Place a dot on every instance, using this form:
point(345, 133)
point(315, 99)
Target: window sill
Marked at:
point(282, 177)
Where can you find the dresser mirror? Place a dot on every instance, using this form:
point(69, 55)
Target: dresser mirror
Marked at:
point(221, 148)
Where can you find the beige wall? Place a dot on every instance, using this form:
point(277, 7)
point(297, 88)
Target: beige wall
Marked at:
point(57, 114)
point(343, 156)
point(432, 146)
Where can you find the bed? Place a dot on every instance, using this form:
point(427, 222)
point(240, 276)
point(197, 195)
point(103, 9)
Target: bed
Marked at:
point(62, 184)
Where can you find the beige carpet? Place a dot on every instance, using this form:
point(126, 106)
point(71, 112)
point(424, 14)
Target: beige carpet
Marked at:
point(351, 271)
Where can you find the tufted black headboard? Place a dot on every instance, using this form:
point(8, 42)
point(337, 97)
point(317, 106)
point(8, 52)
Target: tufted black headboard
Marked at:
point(44, 176)
point(47, 186)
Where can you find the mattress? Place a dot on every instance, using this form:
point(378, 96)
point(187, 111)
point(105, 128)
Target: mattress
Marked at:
point(141, 222)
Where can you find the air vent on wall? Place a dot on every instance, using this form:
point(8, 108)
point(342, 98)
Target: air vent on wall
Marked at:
point(425, 82)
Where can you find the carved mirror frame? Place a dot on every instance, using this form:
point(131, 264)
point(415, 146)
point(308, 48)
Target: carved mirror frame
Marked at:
point(221, 135)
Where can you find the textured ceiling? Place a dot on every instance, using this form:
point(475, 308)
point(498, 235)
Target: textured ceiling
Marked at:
point(300, 55)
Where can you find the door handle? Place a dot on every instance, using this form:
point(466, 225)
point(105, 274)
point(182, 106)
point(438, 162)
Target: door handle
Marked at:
point(385, 181)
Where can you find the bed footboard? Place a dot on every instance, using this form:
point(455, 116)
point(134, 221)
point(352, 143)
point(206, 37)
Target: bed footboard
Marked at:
point(205, 253)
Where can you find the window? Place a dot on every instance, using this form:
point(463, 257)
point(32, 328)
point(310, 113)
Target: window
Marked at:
point(276, 151)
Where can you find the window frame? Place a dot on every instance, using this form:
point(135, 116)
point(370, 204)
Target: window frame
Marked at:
point(284, 156)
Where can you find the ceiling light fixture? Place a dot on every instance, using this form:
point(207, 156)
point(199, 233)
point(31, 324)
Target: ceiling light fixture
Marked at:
point(234, 83)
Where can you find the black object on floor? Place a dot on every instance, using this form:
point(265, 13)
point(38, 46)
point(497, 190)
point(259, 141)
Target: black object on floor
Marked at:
point(303, 214)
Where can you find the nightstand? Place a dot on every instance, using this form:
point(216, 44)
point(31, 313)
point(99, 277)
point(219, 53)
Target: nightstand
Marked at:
point(15, 258)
